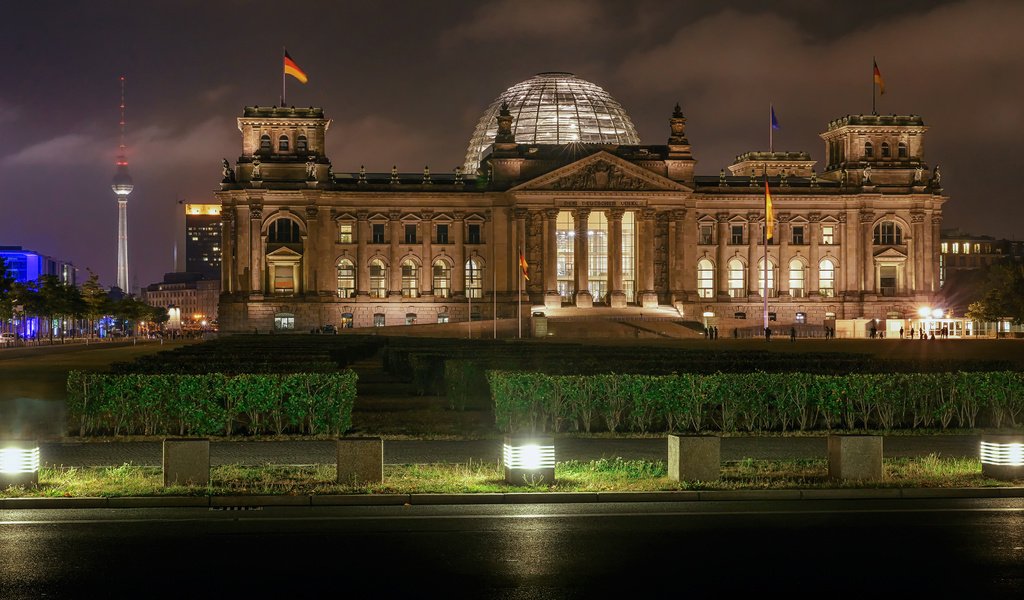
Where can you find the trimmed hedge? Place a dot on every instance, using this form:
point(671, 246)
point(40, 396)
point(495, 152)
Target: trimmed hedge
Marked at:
point(758, 401)
point(210, 404)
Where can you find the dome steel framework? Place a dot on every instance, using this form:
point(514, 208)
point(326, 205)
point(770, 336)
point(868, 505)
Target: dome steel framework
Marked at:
point(554, 108)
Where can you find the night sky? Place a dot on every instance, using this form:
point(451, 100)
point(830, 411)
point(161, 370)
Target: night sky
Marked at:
point(405, 83)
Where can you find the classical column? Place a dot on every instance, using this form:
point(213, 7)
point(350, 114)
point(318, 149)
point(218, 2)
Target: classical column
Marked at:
point(688, 254)
point(580, 260)
point(677, 254)
point(931, 248)
point(782, 237)
point(917, 230)
point(227, 242)
point(648, 297)
point(427, 267)
point(243, 260)
point(616, 297)
point(867, 252)
point(310, 252)
point(754, 250)
point(362, 256)
point(327, 272)
point(551, 297)
point(457, 233)
point(723, 256)
point(256, 248)
point(851, 250)
point(811, 285)
point(395, 258)
point(520, 215)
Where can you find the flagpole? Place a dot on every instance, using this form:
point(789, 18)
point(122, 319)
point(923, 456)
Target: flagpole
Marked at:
point(764, 235)
point(771, 132)
point(519, 297)
point(284, 51)
point(494, 288)
point(873, 63)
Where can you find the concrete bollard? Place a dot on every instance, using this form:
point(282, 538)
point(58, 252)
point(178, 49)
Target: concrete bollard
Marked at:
point(360, 460)
point(694, 457)
point(1002, 456)
point(855, 457)
point(186, 461)
point(19, 463)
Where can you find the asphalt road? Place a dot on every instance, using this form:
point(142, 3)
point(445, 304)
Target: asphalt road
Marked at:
point(414, 451)
point(844, 548)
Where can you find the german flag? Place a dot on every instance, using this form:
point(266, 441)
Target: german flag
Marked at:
point(768, 216)
point(290, 68)
point(524, 266)
point(878, 79)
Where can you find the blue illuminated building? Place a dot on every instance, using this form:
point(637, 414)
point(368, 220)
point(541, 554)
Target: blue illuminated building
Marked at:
point(29, 266)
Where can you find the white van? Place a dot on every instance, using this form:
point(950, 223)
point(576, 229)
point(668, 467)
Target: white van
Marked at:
point(8, 339)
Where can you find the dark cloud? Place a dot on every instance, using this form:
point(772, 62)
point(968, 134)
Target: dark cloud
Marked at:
point(406, 83)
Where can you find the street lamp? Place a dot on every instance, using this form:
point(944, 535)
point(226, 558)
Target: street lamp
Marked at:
point(1002, 456)
point(528, 459)
point(19, 463)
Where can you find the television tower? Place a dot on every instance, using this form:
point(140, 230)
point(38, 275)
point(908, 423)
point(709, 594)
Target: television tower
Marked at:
point(122, 186)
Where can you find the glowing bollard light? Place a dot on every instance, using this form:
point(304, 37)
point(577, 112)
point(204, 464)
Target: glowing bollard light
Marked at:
point(1002, 456)
point(19, 463)
point(529, 460)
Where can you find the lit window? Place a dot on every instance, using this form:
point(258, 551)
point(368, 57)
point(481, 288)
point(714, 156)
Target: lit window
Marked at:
point(761, 273)
point(282, 143)
point(956, 248)
point(967, 248)
point(410, 276)
point(346, 232)
point(346, 279)
point(801, 317)
point(284, 321)
point(945, 247)
point(827, 278)
point(565, 236)
point(442, 317)
point(628, 261)
point(378, 279)
point(474, 279)
point(378, 319)
point(797, 275)
point(827, 235)
point(705, 278)
point(442, 279)
point(737, 278)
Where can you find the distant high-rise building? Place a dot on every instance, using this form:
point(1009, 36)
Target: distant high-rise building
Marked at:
point(202, 240)
point(122, 186)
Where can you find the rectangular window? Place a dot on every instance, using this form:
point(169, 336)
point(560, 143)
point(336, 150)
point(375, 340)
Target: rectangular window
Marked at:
point(801, 317)
point(967, 248)
point(378, 320)
point(706, 233)
point(346, 233)
point(956, 248)
point(827, 235)
point(378, 233)
point(283, 282)
point(739, 315)
point(410, 234)
point(945, 247)
point(798, 235)
point(737, 235)
point(887, 280)
point(442, 317)
point(474, 234)
point(772, 317)
point(442, 234)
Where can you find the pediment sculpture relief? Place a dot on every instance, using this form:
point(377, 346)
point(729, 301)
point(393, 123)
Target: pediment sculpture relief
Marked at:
point(600, 176)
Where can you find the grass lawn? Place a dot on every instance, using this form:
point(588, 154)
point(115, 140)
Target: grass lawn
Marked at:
point(573, 476)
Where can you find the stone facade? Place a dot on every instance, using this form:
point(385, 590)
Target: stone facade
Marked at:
point(305, 246)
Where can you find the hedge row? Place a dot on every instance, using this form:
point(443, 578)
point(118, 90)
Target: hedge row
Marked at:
point(759, 401)
point(211, 404)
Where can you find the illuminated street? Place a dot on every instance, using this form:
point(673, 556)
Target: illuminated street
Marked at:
point(799, 548)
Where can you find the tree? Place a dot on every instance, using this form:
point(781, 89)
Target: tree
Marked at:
point(94, 297)
point(1003, 295)
point(6, 289)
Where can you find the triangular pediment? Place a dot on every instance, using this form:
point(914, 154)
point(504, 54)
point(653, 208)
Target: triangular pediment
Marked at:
point(601, 171)
point(891, 255)
point(284, 252)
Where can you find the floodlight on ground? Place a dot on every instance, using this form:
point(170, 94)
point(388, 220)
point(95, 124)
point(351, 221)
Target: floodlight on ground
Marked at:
point(1002, 456)
point(19, 463)
point(529, 460)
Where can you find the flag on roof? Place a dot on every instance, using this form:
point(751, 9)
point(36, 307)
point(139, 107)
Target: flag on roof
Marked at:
point(290, 68)
point(878, 79)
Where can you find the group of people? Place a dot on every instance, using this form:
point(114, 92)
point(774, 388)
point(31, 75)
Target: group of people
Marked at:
point(711, 333)
point(924, 335)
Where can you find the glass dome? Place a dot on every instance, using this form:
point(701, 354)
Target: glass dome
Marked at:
point(554, 108)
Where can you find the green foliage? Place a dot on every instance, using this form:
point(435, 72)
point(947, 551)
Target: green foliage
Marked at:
point(758, 401)
point(210, 404)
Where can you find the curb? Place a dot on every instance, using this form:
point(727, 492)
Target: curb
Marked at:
point(220, 502)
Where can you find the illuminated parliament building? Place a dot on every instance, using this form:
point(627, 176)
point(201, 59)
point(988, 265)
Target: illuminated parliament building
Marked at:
point(555, 170)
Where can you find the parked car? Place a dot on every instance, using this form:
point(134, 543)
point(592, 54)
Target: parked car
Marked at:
point(8, 339)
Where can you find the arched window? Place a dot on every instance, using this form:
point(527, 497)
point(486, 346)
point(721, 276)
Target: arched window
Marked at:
point(284, 231)
point(410, 279)
point(378, 279)
point(705, 278)
point(737, 278)
point(265, 145)
point(442, 279)
point(282, 143)
point(886, 152)
point(888, 233)
point(869, 150)
point(827, 278)
point(901, 150)
point(797, 275)
point(301, 144)
point(346, 279)
point(770, 272)
point(474, 279)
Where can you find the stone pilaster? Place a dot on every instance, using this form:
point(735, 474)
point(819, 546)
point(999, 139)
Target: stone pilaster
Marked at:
point(616, 297)
point(362, 256)
point(811, 285)
point(256, 244)
point(427, 268)
point(550, 251)
point(867, 252)
point(723, 256)
point(648, 295)
point(458, 234)
point(395, 254)
point(581, 260)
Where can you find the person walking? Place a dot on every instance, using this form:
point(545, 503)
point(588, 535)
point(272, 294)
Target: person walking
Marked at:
point(792, 334)
point(716, 332)
point(901, 333)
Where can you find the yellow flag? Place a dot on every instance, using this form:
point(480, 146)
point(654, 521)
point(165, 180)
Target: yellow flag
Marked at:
point(768, 216)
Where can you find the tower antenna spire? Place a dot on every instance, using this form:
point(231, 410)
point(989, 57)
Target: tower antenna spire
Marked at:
point(122, 186)
point(121, 148)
